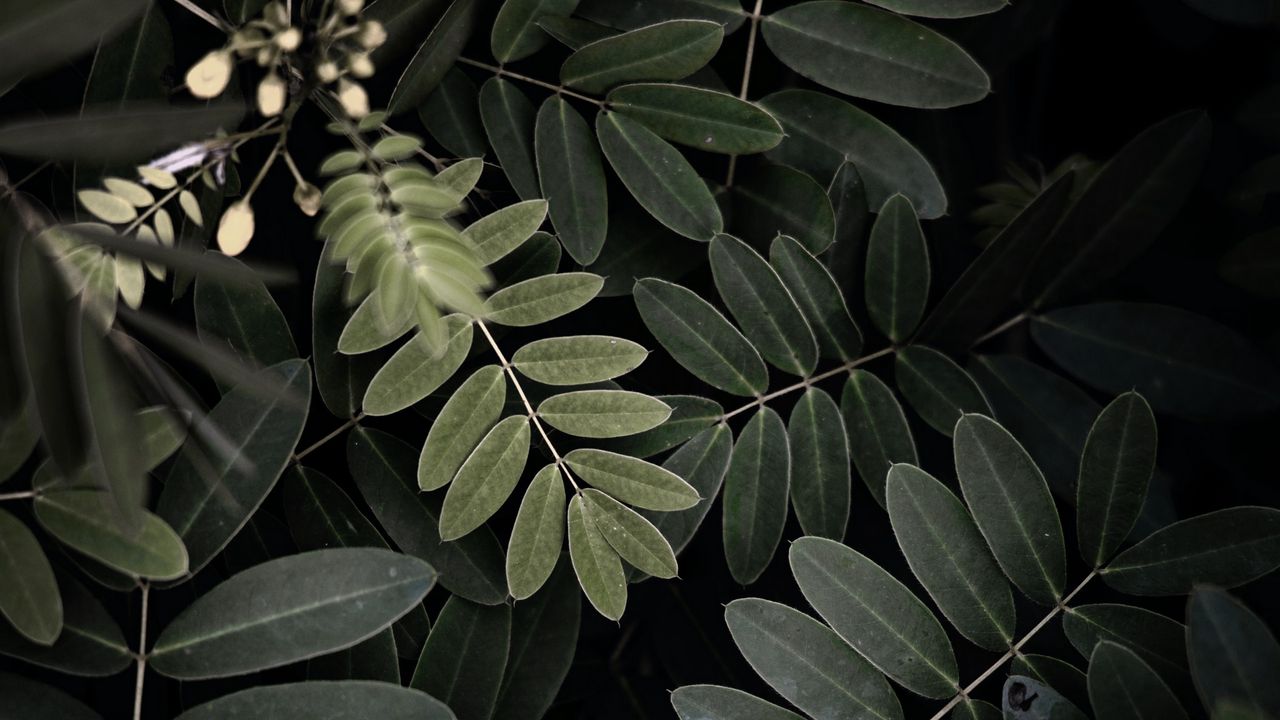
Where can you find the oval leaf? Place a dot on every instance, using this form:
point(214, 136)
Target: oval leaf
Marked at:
point(1122, 686)
point(633, 537)
point(939, 389)
point(663, 51)
point(578, 360)
point(82, 520)
point(897, 278)
point(878, 432)
point(29, 597)
point(697, 117)
point(509, 120)
point(603, 413)
point(540, 299)
point(538, 534)
point(304, 700)
point(815, 291)
point(463, 421)
point(820, 481)
point(1115, 470)
point(486, 479)
point(462, 662)
point(417, 369)
point(596, 564)
point(1234, 655)
point(755, 496)
point(631, 480)
point(572, 179)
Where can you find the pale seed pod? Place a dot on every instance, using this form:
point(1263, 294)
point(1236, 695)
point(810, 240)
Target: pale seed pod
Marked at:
point(209, 77)
point(359, 65)
point(371, 35)
point(272, 93)
point(355, 101)
point(307, 197)
point(289, 40)
point(327, 71)
point(235, 229)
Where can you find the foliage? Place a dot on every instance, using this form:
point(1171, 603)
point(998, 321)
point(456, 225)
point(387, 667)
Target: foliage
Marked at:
point(564, 294)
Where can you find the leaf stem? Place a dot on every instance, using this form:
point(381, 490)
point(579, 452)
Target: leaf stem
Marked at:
point(142, 653)
point(18, 495)
point(503, 72)
point(205, 15)
point(1001, 328)
point(1016, 649)
point(808, 381)
point(746, 79)
point(320, 443)
point(509, 369)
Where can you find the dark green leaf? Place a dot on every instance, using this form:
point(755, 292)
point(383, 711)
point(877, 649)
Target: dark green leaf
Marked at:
point(572, 178)
point(942, 8)
point(755, 495)
point(877, 615)
point(544, 635)
point(937, 388)
point(1159, 641)
point(373, 659)
point(714, 702)
point(82, 520)
point(537, 535)
point(820, 482)
point(486, 479)
point(417, 370)
point(434, 58)
point(341, 379)
point(132, 133)
point(39, 36)
point(460, 425)
point(1234, 655)
point(1254, 264)
point(242, 318)
point(90, 643)
point(309, 700)
point(815, 291)
point(699, 118)
point(509, 120)
point(516, 34)
point(663, 51)
point(597, 565)
point(463, 660)
point(29, 597)
point(25, 698)
point(322, 515)
point(631, 480)
point(627, 16)
point(1122, 686)
point(1115, 470)
point(778, 200)
point(574, 32)
point(451, 114)
point(1009, 500)
point(897, 279)
point(132, 65)
point(690, 415)
point(878, 432)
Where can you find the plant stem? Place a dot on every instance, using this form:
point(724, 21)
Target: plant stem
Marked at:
point(142, 654)
point(1002, 327)
point(746, 79)
point(807, 382)
point(537, 422)
point(1016, 649)
point(18, 495)
point(320, 443)
point(204, 15)
point(503, 72)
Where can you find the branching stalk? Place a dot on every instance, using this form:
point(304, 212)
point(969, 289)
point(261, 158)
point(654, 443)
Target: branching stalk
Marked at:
point(142, 653)
point(503, 72)
point(746, 79)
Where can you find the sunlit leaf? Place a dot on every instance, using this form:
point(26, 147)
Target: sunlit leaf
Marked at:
point(498, 233)
point(578, 360)
point(538, 534)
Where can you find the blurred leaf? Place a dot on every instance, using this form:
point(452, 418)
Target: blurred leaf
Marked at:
point(537, 535)
point(756, 487)
point(244, 318)
point(948, 556)
point(626, 16)
point(80, 519)
point(877, 615)
point(232, 459)
point(631, 480)
point(1226, 547)
point(463, 660)
point(38, 36)
point(115, 448)
point(1182, 363)
point(451, 114)
point(29, 597)
point(162, 433)
point(901, 62)
point(341, 379)
point(509, 121)
point(544, 636)
point(25, 698)
point(777, 200)
point(417, 370)
point(698, 118)
point(699, 338)
point(807, 663)
point(667, 50)
point(942, 8)
point(515, 33)
point(713, 702)
point(434, 58)
point(541, 299)
point(897, 279)
point(1254, 264)
point(19, 436)
point(460, 425)
point(571, 176)
point(878, 432)
point(937, 388)
point(132, 133)
point(384, 470)
point(1115, 470)
point(816, 293)
point(597, 565)
point(322, 515)
point(658, 176)
point(1234, 655)
point(486, 479)
point(306, 700)
point(820, 481)
point(824, 133)
point(1122, 686)
point(90, 644)
point(1010, 502)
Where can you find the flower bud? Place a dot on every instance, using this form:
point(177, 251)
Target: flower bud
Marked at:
point(350, 7)
point(209, 77)
point(235, 229)
point(360, 65)
point(327, 71)
point(371, 34)
point(307, 196)
point(266, 56)
point(271, 95)
point(355, 101)
point(289, 40)
point(276, 14)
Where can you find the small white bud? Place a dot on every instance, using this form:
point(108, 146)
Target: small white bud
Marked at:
point(360, 65)
point(271, 95)
point(307, 196)
point(355, 101)
point(350, 7)
point(209, 77)
point(289, 40)
point(235, 229)
point(327, 71)
point(371, 35)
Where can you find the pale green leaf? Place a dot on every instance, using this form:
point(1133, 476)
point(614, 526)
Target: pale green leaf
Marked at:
point(538, 534)
point(541, 299)
point(597, 565)
point(631, 480)
point(486, 479)
point(633, 537)
point(578, 359)
point(498, 233)
point(416, 370)
point(460, 425)
point(603, 413)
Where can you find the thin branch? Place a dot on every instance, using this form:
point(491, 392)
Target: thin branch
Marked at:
point(13, 187)
point(537, 422)
point(807, 382)
point(18, 495)
point(142, 654)
point(1001, 328)
point(746, 79)
point(205, 15)
point(503, 72)
point(320, 443)
point(1016, 649)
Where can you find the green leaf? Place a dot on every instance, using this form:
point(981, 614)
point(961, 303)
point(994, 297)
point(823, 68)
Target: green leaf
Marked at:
point(1227, 548)
point(690, 415)
point(819, 298)
point(699, 338)
point(25, 698)
point(1122, 686)
point(1159, 641)
point(434, 58)
point(290, 609)
point(970, 709)
point(29, 597)
point(760, 303)
point(937, 388)
point(243, 318)
point(878, 432)
point(516, 34)
point(877, 615)
point(131, 66)
point(1234, 655)
point(848, 194)
point(211, 492)
point(942, 8)
point(416, 370)
point(373, 659)
point(631, 480)
point(129, 134)
point(778, 200)
point(597, 565)
point(303, 700)
point(633, 537)
point(509, 120)
point(1124, 208)
point(541, 299)
point(897, 279)
point(90, 644)
point(365, 331)
point(603, 413)
point(820, 482)
point(807, 663)
point(463, 421)
point(486, 479)
point(498, 233)
point(578, 359)
point(1009, 500)
point(322, 515)
point(1065, 679)
point(697, 117)
point(384, 469)
point(755, 496)
point(451, 114)
point(1028, 699)
point(664, 51)
point(18, 438)
point(1182, 363)
point(544, 636)
point(901, 62)
point(463, 659)
point(574, 32)
point(162, 434)
point(342, 380)
point(1115, 470)
point(82, 520)
point(571, 176)
point(824, 133)
point(715, 702)
point(949, 557)
point(538, 534)
point(659, 177)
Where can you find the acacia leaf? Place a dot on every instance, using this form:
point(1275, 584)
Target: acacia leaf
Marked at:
point(936, 387)
point(596, 563)
point(571, 176)
point(509, 120)
point(820, 480)
point(897, 277)
point(1115, 470)
point(632, 480)
point(697, 117)
point(815, 291)
point(416, 370)
point(578, 359)
point(538, 534)
point(540, 299)
point(756, 487)
point(666, 50)
point(460, 425)
point(486, 479)
point(877, 428)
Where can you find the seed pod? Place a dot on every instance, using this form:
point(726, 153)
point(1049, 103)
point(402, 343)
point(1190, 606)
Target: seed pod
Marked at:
point(209, 77)
point(355, 101)
point(235, 229)
point(272, 93)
